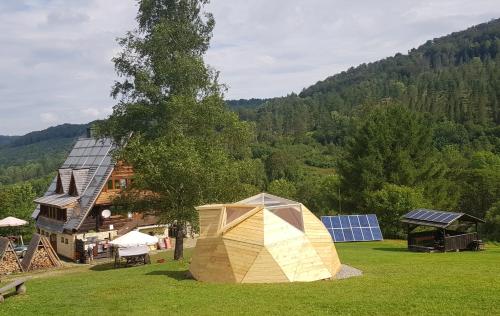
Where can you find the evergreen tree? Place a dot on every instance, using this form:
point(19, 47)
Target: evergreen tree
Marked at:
point(391, 145)
point(186, 147)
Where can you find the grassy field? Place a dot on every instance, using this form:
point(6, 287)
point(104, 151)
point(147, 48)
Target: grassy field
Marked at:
point(394, 282)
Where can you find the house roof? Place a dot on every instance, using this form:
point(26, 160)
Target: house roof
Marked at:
point(65, 178)
point(439, 219)
point(80, 178)
point(49, 224)
point(89, 163)
point(57, 200)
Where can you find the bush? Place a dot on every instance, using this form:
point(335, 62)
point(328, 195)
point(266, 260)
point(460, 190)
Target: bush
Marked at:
point(390, 203)
point(492, 226)
point(283, 188)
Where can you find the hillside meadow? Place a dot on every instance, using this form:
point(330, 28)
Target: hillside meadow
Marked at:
point(395, 282)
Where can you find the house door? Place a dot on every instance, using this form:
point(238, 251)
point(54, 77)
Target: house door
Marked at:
point(53, 241)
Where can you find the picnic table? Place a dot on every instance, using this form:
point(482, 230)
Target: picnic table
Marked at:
point(132, 255)
point(17, 284)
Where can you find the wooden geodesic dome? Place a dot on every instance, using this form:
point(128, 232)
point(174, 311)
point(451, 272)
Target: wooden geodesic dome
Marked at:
point(262, 239)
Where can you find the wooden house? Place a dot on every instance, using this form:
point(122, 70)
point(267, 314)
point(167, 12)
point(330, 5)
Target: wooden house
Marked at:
point(441, 231)
point(75, 209)
point(262, 239)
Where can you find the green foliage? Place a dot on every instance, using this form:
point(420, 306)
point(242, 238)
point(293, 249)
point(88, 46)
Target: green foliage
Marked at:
point(390, 203)
point(320, 193)
point(281, 165)
point(391, 145)
point(283, 188)
point(245, 103)
point(481, 189)
point(181, 175)
point(17, 201)
point(448, 133)
point(492, 226)
point(485, 160)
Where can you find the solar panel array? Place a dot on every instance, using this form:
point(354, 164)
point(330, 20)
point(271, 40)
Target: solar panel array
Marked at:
point(344, 228)
point(94, 155)
point(432, 216)
point(88, 153)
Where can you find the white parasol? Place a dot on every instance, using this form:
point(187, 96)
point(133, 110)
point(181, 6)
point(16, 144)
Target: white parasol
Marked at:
point(12, 222)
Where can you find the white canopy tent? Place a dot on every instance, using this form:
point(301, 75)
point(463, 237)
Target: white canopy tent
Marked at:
point(134, 239)
point(134, 247)
point(12, 222)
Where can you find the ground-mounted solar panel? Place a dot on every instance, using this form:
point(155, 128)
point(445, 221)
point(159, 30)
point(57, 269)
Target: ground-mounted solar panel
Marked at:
point(345, 228)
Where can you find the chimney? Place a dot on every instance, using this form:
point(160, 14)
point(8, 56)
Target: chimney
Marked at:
point(89, 132)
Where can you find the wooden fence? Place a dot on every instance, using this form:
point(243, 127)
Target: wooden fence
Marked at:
point(460, 242)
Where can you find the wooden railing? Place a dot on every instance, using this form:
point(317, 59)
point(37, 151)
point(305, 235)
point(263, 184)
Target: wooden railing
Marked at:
point(459, 242)
point(116, 221)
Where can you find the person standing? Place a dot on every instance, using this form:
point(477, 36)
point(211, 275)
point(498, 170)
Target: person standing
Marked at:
point(90, 251)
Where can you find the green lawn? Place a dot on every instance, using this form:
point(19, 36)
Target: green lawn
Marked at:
point(394, 282)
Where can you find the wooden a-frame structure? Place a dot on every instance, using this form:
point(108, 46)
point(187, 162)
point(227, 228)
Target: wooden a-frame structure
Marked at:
point(262, 239)
point(40, 255)
point(9, 262)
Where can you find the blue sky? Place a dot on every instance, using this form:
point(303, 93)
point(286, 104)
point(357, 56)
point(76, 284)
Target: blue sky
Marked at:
point(55, 55)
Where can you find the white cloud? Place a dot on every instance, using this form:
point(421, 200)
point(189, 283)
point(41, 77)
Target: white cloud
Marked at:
point(95, 113)
point(48, 117)
point(56, 55)
point(66, 17)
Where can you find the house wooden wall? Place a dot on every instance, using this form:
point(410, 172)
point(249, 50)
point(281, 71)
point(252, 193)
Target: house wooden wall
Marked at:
point(121, 171)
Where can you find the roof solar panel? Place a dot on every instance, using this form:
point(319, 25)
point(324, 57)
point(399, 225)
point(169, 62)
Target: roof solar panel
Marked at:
point(432, 216)
point(345, 228)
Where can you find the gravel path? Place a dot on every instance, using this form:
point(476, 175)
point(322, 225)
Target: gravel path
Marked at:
point(347, 272)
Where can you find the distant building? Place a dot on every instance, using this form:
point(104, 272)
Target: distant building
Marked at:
point(75, 209)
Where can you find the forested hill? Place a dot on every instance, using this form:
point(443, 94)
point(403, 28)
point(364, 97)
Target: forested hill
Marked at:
point(244, 103)
point(456, 75)
point(455, 78)
point(54, 132)
point(36, 154)
point(4, 140)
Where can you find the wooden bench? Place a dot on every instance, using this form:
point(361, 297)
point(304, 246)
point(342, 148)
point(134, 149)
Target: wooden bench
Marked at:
point(17, 284)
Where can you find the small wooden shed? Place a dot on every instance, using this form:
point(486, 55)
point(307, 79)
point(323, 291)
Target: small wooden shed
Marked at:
point(447, 231)
point(262, 239)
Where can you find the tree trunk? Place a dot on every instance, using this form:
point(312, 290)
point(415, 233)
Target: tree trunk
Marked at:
point(179, 243)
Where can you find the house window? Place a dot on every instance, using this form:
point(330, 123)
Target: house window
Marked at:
point(118, 183)
point(123, 183)
point(53, 212)
point(62, 240)
point(66, 241)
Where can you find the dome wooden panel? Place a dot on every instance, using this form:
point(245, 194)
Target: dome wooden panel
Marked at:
point(262, 239)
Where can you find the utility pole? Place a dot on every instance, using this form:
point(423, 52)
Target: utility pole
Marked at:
point(340, 203)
